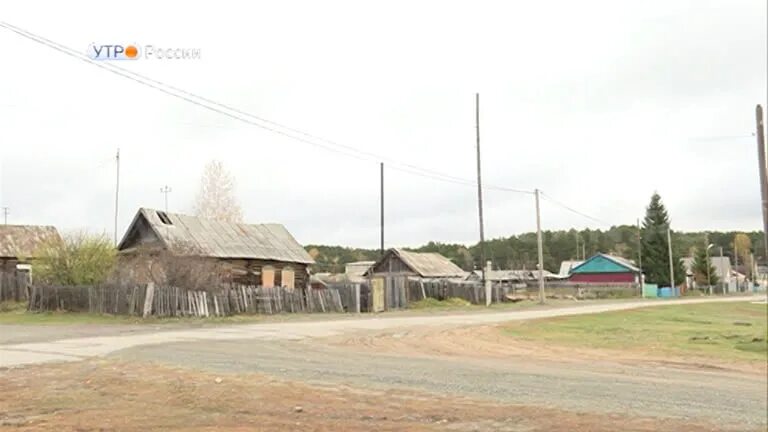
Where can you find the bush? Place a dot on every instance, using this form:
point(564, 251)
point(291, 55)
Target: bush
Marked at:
point(76, 259)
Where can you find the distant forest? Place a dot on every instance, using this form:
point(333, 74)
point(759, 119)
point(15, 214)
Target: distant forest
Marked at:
point(518, 252)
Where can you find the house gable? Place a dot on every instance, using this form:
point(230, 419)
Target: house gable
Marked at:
point(601, 264)
point(139, 234)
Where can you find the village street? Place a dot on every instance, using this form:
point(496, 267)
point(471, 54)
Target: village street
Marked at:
point(446, 355)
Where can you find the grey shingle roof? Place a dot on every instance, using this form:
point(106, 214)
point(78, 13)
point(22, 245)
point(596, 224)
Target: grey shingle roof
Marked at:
point(219, 239)
point(429, 264)
point(24, 241)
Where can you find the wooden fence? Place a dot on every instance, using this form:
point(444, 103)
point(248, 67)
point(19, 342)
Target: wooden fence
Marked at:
point(471, 291)
point(13, 285)
point(354, 296)
point(150, 300)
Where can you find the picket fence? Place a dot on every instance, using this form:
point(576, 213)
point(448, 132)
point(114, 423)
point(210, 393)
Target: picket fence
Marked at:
point(160, 301)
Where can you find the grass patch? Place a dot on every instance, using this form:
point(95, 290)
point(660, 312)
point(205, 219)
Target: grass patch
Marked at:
point(431, 303)
point(726, 331)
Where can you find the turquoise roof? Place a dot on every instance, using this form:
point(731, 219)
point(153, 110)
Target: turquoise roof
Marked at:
point(602, 263)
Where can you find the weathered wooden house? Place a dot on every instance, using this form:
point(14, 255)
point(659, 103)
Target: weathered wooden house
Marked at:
point(265, 254)
point(20, 244)
point(399, 262)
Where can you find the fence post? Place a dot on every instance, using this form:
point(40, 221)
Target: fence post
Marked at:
point(148, 299)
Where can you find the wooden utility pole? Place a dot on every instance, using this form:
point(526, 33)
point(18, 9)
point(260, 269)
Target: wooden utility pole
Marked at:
point(577, 246)
point(381, 207)
point(6, 210)
point(671, 265)
point(117, 190)
point(763, 163)
point(480, 186)
point(541, 249)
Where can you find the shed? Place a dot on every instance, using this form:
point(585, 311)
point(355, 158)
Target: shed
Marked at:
point(22, 243)
point(421, 264)
point(263, 254)
point(604, 268)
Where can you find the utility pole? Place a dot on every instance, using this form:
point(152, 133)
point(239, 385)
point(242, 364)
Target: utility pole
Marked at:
point(480, 186)
point(722, 272)
point(541, 249)
point(671, 265)
point(763, 175)
point(6, 210)
point(639, 247)
point(117, 190)
point(381, 206)
point(166, 190)
point(577, 246)
point(709, 265)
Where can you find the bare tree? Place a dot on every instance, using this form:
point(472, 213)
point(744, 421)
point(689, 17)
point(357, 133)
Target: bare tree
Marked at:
point(216, 197)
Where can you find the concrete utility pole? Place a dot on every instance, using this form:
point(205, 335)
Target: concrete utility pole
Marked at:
point(381, 180)
point(709, 264)
point(166, 190)
point(117, 190)
point(639, 247)
point(722, 271)
point(480, 186)
point(763, 163)
point(671, 265)
point(6, 210)
point(541, 249)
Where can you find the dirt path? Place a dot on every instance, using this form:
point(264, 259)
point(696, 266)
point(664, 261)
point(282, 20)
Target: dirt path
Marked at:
point(74, 349)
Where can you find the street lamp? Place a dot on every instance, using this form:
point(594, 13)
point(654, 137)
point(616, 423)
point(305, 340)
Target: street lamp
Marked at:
point(709, 277)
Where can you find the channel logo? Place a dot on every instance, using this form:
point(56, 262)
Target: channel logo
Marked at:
point(114, 52)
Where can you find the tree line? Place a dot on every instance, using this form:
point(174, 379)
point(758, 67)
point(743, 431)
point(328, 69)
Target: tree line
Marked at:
point(520, 251)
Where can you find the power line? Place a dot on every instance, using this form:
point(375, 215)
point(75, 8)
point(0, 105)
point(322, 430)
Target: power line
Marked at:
point(224, 109)
point(572, 210)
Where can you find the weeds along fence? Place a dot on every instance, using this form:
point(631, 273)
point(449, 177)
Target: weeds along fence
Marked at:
point(13, 285)
point(473, 292)
point(150, 300)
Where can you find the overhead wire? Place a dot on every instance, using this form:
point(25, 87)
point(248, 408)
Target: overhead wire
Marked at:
point(245, 117)
point(275, 127)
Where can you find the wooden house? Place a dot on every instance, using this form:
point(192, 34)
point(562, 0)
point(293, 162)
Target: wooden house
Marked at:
point(264, 255)
point(20, 244)
point(399, 262)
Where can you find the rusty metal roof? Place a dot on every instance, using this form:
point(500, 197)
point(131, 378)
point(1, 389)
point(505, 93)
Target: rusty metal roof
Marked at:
point(24, 241)
point(219, 239)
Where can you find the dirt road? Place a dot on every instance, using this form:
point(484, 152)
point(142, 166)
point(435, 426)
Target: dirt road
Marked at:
point(74, 349)
point(445, 372)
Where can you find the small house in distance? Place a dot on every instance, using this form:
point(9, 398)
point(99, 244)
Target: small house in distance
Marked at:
point(399, 262)
point(264, 254)
point(20, 244)
point(604, 268)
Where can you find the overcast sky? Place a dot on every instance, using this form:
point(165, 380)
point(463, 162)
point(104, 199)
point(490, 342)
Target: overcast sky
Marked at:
point(597, 103)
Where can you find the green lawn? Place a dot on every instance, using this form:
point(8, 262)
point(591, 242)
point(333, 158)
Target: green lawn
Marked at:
point(727, 331)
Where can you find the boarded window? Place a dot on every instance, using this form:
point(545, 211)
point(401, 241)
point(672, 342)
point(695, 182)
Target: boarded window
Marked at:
point(288, 277)
point(268, 277)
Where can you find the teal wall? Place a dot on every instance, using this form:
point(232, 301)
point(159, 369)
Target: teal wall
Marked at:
point(600, 264)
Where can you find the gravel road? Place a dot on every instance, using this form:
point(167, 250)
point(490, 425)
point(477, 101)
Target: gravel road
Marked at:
point(724, 398)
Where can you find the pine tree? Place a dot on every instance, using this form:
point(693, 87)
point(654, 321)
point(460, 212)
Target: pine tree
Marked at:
point(655, 248)
point(700, 267)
